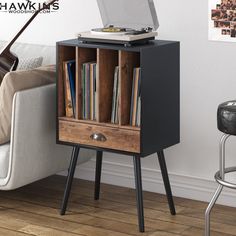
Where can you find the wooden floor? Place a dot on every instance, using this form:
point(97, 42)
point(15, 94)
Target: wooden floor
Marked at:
point(33, 210)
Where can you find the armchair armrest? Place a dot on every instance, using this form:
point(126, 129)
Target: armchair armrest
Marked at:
point(34, 153)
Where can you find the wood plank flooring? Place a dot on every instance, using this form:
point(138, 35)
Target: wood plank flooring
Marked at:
point(34, 210)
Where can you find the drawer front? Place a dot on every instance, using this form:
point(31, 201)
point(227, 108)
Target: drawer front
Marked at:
point(100, 136)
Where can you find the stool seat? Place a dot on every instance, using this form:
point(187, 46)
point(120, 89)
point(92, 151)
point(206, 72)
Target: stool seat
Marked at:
point(226, 117)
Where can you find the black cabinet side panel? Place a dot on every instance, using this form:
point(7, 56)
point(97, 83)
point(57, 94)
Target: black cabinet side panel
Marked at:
point(160, 97)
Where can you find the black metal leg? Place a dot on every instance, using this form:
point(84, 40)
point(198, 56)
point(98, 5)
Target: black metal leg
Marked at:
point(139, 192)
point(73, 162)
point(98, 175)
point(166, 181)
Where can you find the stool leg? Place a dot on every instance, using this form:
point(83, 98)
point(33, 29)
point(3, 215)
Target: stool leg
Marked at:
point(139, 192)
point(98, 174)
point(73, 162)
point(222, 155)
point(220, 187)
point(166, 181)
point(209, 208)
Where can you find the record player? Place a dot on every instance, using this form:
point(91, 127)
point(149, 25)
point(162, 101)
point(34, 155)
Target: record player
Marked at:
point(126, 22)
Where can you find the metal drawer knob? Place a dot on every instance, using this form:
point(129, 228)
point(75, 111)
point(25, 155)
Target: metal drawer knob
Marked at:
point(98, 137)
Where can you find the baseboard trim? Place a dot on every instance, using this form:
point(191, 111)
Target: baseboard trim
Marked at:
point(182, 186)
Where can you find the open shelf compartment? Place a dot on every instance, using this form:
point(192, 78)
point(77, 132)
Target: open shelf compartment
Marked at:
point(64, 53)
point(107, 60)
point(83, 55)
point(127, 62)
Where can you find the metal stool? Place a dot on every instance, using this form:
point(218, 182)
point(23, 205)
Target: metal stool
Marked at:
point(226, 120)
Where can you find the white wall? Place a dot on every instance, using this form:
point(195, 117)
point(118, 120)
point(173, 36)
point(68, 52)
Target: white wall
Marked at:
point(207, 79)
point(72, 17)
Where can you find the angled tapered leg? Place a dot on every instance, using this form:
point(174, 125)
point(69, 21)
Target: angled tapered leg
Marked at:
point(166, 181)
point(98, 174)
point(209, 208)
point(139, 192)
point(73, 162)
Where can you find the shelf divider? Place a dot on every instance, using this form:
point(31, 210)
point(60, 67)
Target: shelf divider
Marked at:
point(107, 60)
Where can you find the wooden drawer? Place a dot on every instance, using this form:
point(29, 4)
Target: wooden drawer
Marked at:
point(123, 139)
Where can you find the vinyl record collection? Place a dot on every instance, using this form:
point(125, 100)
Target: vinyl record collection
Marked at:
point(69, 87)
point(89, 81)
point(89, 95)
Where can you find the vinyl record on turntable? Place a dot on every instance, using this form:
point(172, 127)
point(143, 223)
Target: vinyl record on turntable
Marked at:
point(112, 31)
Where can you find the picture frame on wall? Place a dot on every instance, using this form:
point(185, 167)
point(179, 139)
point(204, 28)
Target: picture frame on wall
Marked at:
point(222, 20)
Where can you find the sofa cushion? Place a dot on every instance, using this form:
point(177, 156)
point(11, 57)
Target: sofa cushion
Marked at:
point(25, 50)
point(30, 63)
point(17, 81)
